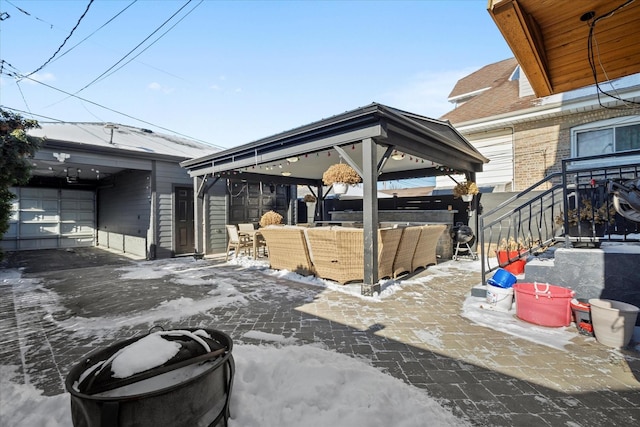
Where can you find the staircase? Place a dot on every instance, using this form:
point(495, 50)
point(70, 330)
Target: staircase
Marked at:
point(597, 259)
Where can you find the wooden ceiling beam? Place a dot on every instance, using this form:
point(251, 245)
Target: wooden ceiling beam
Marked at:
point(524, 38)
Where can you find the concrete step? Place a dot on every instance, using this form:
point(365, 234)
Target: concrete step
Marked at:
point(609, 272)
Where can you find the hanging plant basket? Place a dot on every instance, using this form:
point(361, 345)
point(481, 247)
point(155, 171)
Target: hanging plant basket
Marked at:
point(340, 188)
point(340, 173)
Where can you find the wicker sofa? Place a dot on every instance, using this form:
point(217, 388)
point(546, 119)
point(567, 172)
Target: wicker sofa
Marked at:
point(288, 249)
point(337, 253)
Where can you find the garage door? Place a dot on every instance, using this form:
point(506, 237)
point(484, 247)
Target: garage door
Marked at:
point(45, 218)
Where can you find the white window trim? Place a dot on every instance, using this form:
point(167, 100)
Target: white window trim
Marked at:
point(602, 124)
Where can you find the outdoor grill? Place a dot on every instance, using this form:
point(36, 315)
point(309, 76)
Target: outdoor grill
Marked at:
point(463, 236)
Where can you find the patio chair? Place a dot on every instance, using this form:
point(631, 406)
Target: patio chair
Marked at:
point(426, 248)
point(246, 227)
point(250, 229)
point(236, 242)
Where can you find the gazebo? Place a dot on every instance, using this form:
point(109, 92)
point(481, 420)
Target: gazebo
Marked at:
point(380, 142)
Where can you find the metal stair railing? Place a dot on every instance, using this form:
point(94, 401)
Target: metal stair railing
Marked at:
point(536, 217)
point(590, 217)
point(526, 220)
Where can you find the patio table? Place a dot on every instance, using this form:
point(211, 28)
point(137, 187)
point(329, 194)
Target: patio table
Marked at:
point(254, 236)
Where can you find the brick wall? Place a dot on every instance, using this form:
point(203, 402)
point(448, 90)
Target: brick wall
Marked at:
point(540, 146)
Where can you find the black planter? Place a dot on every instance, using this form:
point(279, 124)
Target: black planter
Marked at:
point(589, 232)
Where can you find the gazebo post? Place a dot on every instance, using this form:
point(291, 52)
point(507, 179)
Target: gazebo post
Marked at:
point(370, 283)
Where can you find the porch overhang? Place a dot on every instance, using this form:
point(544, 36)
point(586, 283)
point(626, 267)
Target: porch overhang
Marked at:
point(565, 45)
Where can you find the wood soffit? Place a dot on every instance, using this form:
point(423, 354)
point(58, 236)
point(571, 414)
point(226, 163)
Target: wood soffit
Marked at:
point(550, 40)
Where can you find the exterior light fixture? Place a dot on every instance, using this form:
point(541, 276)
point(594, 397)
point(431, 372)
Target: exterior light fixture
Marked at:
point(292, 159)
point(397, 156)
point(61, 156)
point(286, 173)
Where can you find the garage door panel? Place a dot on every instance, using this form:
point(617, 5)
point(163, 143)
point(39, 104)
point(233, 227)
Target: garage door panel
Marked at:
point(46, 218)
point(76, 228)
point(38, 230)
point(78, 205)
point(77, 216)
point(39, 205)
point(39, 216)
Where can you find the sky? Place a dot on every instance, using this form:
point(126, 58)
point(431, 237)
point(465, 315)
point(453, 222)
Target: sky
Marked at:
point(231, 72)
point(280, 381)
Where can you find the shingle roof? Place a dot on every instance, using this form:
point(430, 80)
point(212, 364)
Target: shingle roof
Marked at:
point(485, 77)
point(502, 95)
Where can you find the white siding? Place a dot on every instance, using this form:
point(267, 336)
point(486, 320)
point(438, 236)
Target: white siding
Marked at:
point(498, 148)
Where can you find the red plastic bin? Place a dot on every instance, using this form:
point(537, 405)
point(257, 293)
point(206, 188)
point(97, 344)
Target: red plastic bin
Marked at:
point(543, 304)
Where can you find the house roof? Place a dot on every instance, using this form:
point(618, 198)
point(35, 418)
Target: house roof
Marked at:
point(486, 77)
point(128, 139)
point(501, 96)
point(426, 143)
point(91, 150)
point(565, 45)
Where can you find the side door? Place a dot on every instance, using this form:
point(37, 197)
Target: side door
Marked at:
point(185, 232)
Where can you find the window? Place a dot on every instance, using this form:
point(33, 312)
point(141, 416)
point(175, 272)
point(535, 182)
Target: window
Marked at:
point(610, 136)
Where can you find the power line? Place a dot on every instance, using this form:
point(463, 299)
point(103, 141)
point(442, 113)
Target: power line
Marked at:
point(123, 114)
point(132, 50)
point(154, 42)
point(98, 29)
point(63, 43)
point(30, 15)
point(157, 141)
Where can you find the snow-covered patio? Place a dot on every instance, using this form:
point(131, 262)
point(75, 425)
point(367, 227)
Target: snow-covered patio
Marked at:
point(312, 352)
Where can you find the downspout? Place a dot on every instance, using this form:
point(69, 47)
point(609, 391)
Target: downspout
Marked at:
point(153, 219)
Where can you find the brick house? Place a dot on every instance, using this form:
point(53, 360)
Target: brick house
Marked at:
point(526, 137)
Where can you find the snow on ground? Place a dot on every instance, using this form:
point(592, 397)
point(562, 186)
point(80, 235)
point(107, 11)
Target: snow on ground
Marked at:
point(274, 386)
point(282, 383)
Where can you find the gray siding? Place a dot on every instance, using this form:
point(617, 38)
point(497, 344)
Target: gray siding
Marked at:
point(216, 218)
point(124, 204)
point(168, 176)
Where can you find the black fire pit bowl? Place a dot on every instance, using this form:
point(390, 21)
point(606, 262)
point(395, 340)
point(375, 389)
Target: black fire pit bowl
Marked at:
point(201, 398)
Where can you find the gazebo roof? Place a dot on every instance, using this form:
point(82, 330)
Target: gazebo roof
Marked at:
point(300, 156)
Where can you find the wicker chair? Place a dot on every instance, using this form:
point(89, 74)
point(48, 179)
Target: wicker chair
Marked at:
point(337, 253)
point(426, 248)
point(406, 250)
point(287, 248)
point(236, 242)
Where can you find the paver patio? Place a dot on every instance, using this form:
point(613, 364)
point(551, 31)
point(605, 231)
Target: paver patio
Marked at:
point(417, 335)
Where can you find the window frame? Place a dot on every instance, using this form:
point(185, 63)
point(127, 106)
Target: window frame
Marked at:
point(613, 123)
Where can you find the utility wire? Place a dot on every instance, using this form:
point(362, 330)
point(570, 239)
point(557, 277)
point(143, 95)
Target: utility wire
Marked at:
point(63, 43)
point(124, 114)
point(98, 29)
point(591, 56)
point(132, 50)
point(17, 74)
point(28, 14)
point(144, 50)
